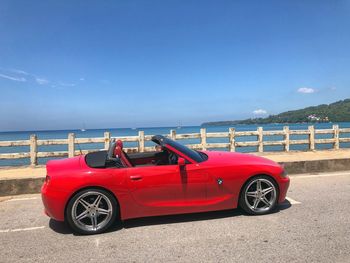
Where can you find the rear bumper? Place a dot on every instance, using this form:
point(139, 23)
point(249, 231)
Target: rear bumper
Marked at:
point(283, 185)
point(54, 202)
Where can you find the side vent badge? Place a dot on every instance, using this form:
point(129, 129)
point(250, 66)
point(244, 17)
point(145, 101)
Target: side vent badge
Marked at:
point(220, 181)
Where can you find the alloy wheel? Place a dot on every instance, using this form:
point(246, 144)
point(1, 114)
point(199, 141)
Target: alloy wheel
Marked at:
point(260, 195)
point(91, 211)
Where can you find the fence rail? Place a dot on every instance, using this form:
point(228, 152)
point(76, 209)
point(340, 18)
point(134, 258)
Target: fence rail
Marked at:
point(141, 138)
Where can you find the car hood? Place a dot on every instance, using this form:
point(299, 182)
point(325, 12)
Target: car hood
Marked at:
point(230, 158)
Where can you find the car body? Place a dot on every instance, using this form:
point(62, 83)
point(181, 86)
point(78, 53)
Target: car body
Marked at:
point(196, 181)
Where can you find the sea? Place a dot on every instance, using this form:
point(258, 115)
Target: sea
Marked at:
point(92, 133)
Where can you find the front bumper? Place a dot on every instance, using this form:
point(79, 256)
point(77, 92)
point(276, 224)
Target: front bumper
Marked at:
point(283, 185)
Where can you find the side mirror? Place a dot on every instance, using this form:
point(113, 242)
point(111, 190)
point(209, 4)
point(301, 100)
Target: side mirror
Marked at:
point(181, 161)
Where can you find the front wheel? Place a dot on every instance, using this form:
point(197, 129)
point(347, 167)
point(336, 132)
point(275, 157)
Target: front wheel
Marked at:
point(259, 195)
point(91, 211)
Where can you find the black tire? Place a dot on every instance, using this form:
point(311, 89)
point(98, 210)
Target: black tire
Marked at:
point(256, 202)
point(86, 203)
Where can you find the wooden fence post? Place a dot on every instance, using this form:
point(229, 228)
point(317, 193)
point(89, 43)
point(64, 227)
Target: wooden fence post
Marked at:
point(336, 136)
point(311, 138)
point(33, 150)
point(232, 146)
point(107, 138)
point(173, 135)
point(260, 140)
point(286, 138)
point(204, 138)
point(71, 146)
point(141, 141)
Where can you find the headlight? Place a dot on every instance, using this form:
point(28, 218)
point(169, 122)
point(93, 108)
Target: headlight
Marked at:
point(284, 173)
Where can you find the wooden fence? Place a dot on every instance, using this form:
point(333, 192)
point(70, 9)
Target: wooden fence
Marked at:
point(231, 144)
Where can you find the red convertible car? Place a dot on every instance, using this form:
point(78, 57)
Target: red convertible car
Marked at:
point(90, 192)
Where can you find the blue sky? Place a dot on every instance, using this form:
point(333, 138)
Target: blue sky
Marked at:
point(161, 63)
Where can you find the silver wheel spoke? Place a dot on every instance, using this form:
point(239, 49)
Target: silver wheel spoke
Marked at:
point(258, 185)
point(256, 203)
point(94, 222)
point(102, 211)
point(82, 215)
point(97, 201)
point(251, 194)
point(267, 190)
point(265, 201)
point(84, 203)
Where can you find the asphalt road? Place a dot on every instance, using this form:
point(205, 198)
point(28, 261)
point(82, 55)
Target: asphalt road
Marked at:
point(314, 226)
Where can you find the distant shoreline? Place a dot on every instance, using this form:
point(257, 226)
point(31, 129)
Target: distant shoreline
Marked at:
point(227, 123)
point(324, 113)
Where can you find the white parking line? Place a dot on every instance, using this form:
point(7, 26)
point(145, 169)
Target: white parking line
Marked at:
point(21, 199)
point(292, 201)
point(21, 229)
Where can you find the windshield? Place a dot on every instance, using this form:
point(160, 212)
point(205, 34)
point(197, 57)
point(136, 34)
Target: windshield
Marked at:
point(194, 155)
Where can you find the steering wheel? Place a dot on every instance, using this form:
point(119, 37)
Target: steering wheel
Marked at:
point(172, 158)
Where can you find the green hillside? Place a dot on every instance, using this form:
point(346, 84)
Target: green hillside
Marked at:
point(335, 112)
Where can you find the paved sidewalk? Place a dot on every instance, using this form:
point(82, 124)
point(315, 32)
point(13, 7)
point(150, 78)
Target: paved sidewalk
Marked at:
point(307, 156)
point(22, 172)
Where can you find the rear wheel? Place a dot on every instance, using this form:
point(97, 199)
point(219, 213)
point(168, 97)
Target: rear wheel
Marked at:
point(91, 211)
point(259, 195)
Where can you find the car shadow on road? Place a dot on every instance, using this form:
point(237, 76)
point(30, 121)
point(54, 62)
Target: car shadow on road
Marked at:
point(282, 206)
point(181, 218)
point(63, 228)
point(204, 216)
point(59, 227)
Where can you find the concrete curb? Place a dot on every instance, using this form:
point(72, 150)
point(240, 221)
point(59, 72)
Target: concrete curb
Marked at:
point(33, 184)
point(20, 186)
point(317, 166)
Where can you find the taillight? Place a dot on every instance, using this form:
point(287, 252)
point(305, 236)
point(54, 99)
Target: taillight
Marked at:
point(47, 179)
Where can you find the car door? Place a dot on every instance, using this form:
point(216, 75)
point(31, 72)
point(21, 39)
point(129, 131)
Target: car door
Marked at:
point(167, 189)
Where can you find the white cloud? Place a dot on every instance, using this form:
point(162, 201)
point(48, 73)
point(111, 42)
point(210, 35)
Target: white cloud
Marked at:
point(18, 71)
point(41, 81)
point(333, 88)
point(260, 112)
point(306, 90)
point(67, 84)
point(14, 78)
point(23, 76)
